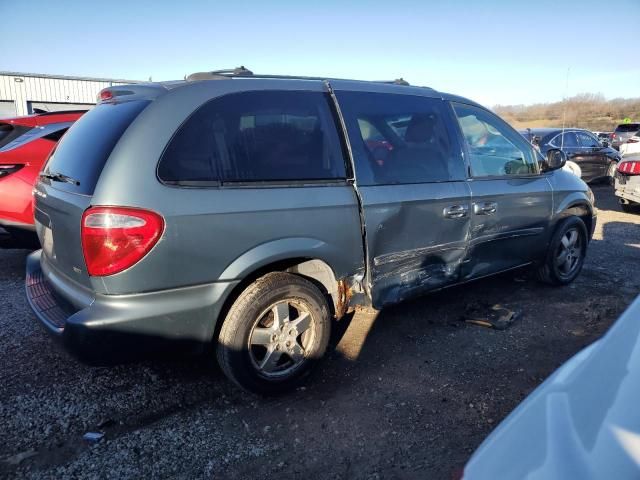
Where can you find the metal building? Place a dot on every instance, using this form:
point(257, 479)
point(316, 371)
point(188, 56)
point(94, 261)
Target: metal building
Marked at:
point(23, 93)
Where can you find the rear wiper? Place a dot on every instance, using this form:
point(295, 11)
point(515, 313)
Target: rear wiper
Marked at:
point(60, 177)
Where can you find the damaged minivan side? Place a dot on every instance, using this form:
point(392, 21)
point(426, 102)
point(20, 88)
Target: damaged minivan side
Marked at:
point(249, 211)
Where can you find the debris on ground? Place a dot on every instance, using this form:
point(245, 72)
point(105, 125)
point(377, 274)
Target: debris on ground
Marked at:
point(496, 316)
point(93, 437)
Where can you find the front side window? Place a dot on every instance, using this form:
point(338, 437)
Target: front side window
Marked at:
point(400, 139)
point(587, 141)
point(494, 148)
point(256, 136)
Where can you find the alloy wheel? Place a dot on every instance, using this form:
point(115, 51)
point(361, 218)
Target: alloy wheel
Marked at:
point(278, 340)
point(569, 254)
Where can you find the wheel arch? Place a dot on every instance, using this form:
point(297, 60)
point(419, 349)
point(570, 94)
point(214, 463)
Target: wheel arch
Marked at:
point(316, 270)
point(576, 205)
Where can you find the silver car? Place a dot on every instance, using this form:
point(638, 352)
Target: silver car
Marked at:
point(627, 183)
point(622, 133)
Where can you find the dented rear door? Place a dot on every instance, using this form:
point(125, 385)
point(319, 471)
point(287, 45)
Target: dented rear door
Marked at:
point(415, 201)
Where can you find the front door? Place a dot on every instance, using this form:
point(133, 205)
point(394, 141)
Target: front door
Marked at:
point(569, 143)
point(594, 155)
point(411, 180)
point(511, 202)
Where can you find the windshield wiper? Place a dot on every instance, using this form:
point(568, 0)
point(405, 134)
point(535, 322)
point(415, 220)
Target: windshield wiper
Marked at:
point(60, 177)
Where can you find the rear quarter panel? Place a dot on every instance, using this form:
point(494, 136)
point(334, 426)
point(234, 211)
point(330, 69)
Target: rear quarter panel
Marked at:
point(222, 233)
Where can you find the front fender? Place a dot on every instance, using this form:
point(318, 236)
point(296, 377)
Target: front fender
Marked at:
point(571, 196)
point(574, 200)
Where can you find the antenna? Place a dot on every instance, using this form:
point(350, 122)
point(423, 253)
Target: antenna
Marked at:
point(564, 108)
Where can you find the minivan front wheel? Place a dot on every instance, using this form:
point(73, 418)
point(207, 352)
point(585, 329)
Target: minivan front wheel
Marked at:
point(274, 333)
point(566, 253)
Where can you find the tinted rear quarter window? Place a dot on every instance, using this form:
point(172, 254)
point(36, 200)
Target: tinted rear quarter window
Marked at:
point(8, 133)
point(57, 135)
point(84, 150)
point(5, 129)
point(255, 136)
point(566, 140)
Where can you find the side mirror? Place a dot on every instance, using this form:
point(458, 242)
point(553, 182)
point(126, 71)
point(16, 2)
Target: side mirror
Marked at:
point(555, 160)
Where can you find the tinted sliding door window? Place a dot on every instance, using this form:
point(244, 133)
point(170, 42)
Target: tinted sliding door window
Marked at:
point(495, 149)
point(260, 136)
point(400, 138)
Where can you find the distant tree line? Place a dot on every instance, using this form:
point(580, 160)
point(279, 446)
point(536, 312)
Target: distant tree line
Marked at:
point(586, 110)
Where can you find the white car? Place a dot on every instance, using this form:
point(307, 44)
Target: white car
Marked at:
point(627, 182)
point(583, 422)
point(631, 146)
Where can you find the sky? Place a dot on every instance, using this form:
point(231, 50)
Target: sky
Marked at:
point(494, 52)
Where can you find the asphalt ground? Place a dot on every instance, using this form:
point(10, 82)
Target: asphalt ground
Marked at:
point(409, 392)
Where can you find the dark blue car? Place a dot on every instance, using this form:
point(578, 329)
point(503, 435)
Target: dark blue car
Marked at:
point(597, 161)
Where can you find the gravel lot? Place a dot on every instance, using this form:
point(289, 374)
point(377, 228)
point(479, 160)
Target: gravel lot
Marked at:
point(406, 393)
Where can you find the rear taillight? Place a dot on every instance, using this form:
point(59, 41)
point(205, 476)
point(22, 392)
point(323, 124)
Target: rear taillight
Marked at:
point(116, 238)
point(9, 169)
point(629, 167)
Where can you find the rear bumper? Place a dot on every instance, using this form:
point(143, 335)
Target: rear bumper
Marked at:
point(114, 328)
point(628, 188)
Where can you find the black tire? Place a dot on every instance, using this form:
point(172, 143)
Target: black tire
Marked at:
point(258, 305)
point(630, 207)
point(550, 271)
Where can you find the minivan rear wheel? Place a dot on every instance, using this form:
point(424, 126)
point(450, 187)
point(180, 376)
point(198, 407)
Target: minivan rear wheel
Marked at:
point(566, 253)
point(275, 332)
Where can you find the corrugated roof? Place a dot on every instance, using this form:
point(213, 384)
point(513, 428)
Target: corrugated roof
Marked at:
point(68, 77)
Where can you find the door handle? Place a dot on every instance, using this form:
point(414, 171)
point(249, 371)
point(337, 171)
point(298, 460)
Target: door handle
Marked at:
point(486, 208)
point(456, 211)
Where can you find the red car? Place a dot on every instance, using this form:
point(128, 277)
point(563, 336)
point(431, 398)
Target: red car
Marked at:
point(25, 143)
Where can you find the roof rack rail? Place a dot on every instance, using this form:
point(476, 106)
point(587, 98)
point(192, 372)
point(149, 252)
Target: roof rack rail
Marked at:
point(397, 81)
point(240, 71)
point(244, 72)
